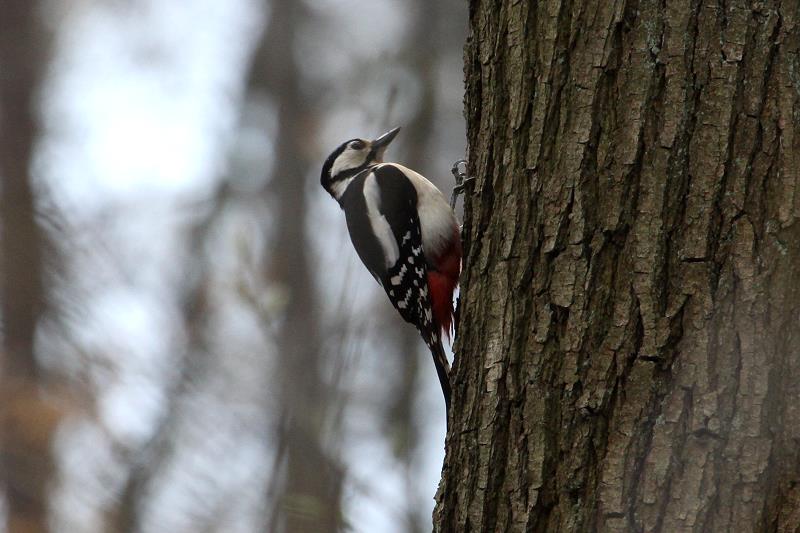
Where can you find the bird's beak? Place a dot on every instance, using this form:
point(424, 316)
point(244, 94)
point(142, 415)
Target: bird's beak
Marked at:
point(383, 141)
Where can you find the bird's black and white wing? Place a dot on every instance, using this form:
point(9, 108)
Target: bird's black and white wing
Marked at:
point(381, 211)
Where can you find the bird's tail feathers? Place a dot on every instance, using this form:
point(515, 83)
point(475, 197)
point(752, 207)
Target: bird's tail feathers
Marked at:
point(442, 367)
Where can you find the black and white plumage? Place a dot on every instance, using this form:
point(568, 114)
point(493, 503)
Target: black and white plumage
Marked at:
point(405, 233)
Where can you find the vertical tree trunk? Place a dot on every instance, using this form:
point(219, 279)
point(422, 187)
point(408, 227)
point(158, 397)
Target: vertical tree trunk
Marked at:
point(630, 310)
point(26, 421)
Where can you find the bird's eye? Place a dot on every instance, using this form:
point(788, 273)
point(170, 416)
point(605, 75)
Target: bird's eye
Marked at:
point(357, 145)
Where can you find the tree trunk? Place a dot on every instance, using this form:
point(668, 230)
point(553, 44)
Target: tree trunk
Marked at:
point(628, 342)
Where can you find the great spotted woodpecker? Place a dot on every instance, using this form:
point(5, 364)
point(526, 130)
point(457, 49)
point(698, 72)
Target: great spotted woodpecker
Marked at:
point(406, 235)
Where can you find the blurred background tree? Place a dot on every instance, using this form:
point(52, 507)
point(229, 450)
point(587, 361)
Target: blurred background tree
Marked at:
point(187, 344)
point(28, 420)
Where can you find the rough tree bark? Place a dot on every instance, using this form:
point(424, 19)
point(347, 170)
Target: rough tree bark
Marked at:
point(628, 343)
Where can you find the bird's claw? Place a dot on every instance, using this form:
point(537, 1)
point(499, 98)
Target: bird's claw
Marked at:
point(459, 171)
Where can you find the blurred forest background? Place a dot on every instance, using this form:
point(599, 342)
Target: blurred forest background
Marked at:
point(189, 343)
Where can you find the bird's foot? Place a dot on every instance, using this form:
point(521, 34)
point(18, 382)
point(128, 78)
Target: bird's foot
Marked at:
point(459, 171)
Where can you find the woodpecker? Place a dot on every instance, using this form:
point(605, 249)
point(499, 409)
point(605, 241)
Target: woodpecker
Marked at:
point(405, 233)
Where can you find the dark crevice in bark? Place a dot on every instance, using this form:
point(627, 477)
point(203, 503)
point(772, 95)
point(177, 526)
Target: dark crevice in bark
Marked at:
point(722, 18)
point(645, 432)
point(725, 434)
point(554, 400)
point(718, 212)
point(653, 125)
point(602, 278)
point(759, 212)
point(632, 183)
point(559, 76)
point(562, 234)
point(694, 92)
point(677, 459)
point(629, 14)
point(602, 103)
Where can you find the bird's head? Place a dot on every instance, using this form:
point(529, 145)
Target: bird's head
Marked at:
point(350, 158)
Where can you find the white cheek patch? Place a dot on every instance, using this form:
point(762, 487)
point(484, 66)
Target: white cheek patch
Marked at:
point(348, 159)
point(380, 226)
